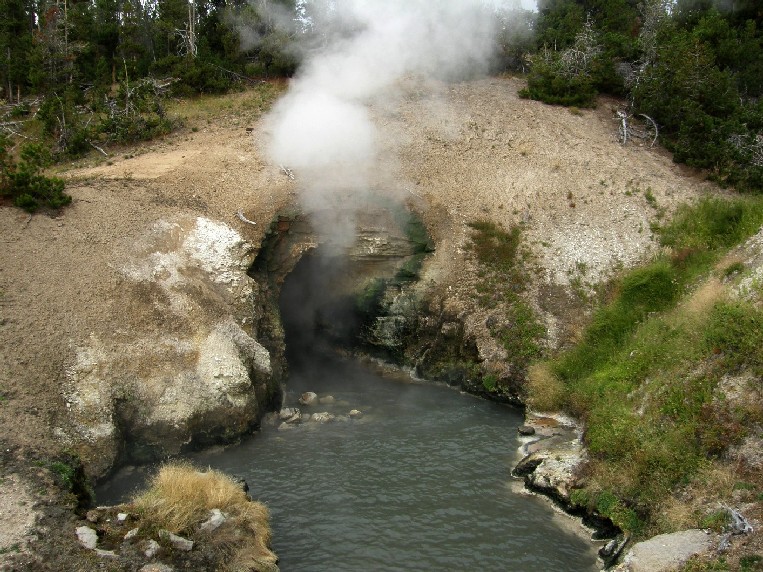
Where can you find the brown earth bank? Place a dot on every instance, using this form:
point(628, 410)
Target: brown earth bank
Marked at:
point(137, 293)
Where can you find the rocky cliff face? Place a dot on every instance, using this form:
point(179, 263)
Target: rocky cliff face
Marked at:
point(194, 373)
point(355, 282)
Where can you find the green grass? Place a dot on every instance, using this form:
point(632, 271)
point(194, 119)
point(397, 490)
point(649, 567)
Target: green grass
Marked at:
point(651, 414)
point(65, 473)
point(503, 277)
point(15, 547)
point(248, 105)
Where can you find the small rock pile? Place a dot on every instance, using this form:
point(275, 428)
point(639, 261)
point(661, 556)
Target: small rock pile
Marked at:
point(115, 533)
point(290, 417)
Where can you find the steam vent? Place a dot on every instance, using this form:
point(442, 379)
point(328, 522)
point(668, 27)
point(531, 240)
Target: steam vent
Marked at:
point(350, 290)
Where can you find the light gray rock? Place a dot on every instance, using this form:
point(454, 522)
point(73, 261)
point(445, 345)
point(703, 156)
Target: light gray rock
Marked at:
point(105, 553)
point(157, 567)
point(152, 548)
point(308, 398)
point(287, 413)
point(322, 417)
point(665, 551)
point(132, 533)
point(178, 542)
point(215, 520)
point(87, 537)
point(356, 414)
point(121, 517)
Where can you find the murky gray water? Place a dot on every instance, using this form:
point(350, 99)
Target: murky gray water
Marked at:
point(420, 482)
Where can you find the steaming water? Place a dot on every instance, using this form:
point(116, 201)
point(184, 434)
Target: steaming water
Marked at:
point(420, 482)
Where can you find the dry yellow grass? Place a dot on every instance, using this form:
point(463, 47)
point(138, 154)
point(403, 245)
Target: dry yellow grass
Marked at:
point(180, 498)
point(545, 390)
point(714, 483)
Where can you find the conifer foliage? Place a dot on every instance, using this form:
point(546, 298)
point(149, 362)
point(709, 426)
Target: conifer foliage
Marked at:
point(694, 66)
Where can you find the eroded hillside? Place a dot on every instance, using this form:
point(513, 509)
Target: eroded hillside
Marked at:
point(99, 291)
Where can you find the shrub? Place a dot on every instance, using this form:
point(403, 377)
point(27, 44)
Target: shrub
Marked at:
point(567, 77)
point(23, 184)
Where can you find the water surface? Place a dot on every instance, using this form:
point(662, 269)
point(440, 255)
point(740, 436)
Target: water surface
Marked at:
point(420, 482)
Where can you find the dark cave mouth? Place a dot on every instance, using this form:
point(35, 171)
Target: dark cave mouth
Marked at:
point(316, 314)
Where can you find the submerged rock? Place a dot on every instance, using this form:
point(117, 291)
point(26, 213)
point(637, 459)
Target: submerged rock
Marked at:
point(322, 417)
point(355, 414)
point(287, 412)
point(308, 398)
point(326, 400)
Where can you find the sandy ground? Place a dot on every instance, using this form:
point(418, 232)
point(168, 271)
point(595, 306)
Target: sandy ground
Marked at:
point(461, 152)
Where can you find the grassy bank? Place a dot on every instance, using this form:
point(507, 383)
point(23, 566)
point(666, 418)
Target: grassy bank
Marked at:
point(648, 376)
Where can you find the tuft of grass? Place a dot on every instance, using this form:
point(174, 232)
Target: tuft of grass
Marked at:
point(717, 520)
point(495, 247)
point(735, 331)
point(180, 497)
point(713, 224)
point(15, 547)
point(751, 563)
point(698, 564)
point(733, 268)
point(65, 473)
point(546, 391)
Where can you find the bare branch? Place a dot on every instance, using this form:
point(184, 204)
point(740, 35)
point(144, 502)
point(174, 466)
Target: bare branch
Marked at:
point(94, 146)
point(654, 125)
point(288, 172)
point(242, 218)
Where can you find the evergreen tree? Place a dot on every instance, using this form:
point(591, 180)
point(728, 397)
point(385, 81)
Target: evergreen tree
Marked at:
point(15, 45)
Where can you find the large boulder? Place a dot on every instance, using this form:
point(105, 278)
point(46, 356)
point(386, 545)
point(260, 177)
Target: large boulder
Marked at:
point(192, 373)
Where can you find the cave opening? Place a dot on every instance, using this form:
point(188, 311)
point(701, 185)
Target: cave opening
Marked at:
point(318, 314)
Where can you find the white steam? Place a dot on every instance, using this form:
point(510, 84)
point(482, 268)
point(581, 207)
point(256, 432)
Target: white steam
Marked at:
point(322, 128)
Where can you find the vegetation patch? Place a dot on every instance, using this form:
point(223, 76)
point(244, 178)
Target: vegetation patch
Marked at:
point(645, 376)
point(22, 181)
point(502, 277)
point(180, 498)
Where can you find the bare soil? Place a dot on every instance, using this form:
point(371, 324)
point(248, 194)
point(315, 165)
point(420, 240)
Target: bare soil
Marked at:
point(458, 152)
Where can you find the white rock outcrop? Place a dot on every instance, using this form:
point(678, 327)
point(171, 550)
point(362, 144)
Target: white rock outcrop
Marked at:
point(193, 371)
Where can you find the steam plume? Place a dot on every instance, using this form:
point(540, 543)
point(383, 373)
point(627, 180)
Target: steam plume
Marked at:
point(321, 128)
